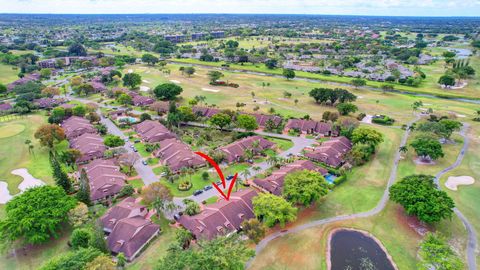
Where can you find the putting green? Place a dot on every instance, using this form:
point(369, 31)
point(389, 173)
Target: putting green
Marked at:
point(10, 130)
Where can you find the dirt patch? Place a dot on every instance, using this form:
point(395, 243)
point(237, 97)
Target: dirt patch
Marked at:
point(454, 181)
point(411, 223)
point(420, 161)
point(175, 81)
point(144, 88)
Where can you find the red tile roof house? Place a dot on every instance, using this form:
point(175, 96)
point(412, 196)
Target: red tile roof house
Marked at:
point(24, 80)
point(105, 180)
point(221, 218)
point(5, 107)
point(131, 235)
point(76, 126)
point(274, 183)
point(177, 155)
point(152, 131)
point(48, 103)
point(139, 100)
point(311, 127)
point(235, 151)
point(331, 152)
point(90, 145)
point(204, 111)
point(127, 208)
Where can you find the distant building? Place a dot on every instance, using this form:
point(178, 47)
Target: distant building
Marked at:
point(175, 38)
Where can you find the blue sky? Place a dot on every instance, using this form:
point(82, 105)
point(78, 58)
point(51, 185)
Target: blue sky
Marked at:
point(342, 7)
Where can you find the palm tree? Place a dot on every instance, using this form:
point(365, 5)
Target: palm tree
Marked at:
point(29, 144)
point(403, 149)
point(272, 160)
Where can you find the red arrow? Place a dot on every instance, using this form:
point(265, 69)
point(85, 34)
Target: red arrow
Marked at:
point(220, 174)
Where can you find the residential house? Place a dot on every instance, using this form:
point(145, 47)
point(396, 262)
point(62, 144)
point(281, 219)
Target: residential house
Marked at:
point(5, 107)
point(27, 78)
point(204, 111)
point(131, 235)
point(236, 150)
point(152, 131)
point(177, 155)
point(75, 126)
point(139, 100)
point(311, 127)
point(274, 183)
point(105, 179)
point(262, 119)
point(127, 208)
point(90, 146)
point(332, 152)
point(221, 218)
point(48, 103)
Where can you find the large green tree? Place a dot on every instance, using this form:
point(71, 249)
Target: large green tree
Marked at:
point(132, 80)
point(419, 195)
point(427, 148)
point(59, 175)
point(366, 135)
point(36, 215)
point(273, 209)
point(247, 122)
point(304, 187)
point(150, 59)
point(73, 260)
point(253, 229)
point(167, 91)
point(49, 135)
point(220, 120)
point(436, 253)
point(83, 193)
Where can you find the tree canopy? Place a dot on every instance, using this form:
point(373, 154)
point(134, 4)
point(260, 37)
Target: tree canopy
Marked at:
point(247, 122)
point(36, 215)
point(273, 209)
point(436, 253)
point(167, 91)
point(132, 80)
point(304, 187)
point(366, 135)
point(419, 195)
point(113, 141)
point(72, 260)
point(427, 147)
point(220, 120)
point(49, 135)
point(327, 95)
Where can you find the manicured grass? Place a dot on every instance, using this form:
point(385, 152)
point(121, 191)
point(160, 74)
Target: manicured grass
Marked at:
point(15, 153)
point(211, 200)
point(137, 183)
point(141, 150)
point(281, 143)
point(157, 249)
point(152, 161)
point(157, 170)
point(8, 74)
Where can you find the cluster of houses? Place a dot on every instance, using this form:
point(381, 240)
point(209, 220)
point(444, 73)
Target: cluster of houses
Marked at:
point(55, 63)
point(236, 150)
point(331, 152)
point(27, 78)
point(194, 36)
point(311, 127)
point(172, 152)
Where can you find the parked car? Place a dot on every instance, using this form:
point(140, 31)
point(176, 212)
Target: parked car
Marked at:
point(197, 192)
point(136, 141)
point(135, 149)
point(229, 178)
point(144, 162)
point(132, 146)
point(207, 188)
point(219, 183)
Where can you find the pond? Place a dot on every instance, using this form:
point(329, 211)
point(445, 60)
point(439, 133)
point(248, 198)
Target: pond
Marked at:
point(354, 250)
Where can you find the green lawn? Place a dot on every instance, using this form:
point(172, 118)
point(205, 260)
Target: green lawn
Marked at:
point(8, 73)
point(141, 150)
point(281, 143)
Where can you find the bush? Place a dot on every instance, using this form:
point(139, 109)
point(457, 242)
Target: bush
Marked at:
point(126, 190)
point(361, 116)
point(184, 186)
point(383, 120)
point(339, 180)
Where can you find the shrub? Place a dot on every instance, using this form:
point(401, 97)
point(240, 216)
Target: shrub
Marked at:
point(383, 120)
point(184, 185)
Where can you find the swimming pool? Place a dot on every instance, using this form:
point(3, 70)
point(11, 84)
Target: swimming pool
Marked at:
point(330, 178)
point(128, 119)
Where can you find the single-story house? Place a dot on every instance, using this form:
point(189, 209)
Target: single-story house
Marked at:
point(332, 152)
point(48, 103)
point(204, 111)
point(311, 127)
point(90, 145)
point(152, 131)
point(221, 218)
point(105, 179)
point(127, 208)
point(177, 155)
point(235, 151)
point(76, 126)
point(274, 183)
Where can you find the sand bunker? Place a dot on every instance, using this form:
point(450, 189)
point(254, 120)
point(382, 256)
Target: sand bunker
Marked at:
point(454, 181)
point(210, 90)
point(145, 81)
point(144, 88)
point(175, 81)
point(28, 180)
point(130, 71)
point(4, 193)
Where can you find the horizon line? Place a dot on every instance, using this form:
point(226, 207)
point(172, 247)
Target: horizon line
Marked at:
point(227, 13)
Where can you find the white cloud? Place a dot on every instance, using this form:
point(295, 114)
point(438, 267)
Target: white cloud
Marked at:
point(367, 7)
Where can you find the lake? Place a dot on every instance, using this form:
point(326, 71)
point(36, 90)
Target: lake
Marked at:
point(353, 250)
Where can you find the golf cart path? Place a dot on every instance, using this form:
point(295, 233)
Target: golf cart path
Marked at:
point(472, 242)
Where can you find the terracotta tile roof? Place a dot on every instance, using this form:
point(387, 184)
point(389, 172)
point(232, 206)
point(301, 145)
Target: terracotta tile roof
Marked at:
point(105, 179)
point(274, 182)
point(125, 209)
point(76, 126)
point(237, 149)
point(222, 217)
point(331, 152)
point(90, 145)
point(152, 131)
point(176, 155)
point(130, 234)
